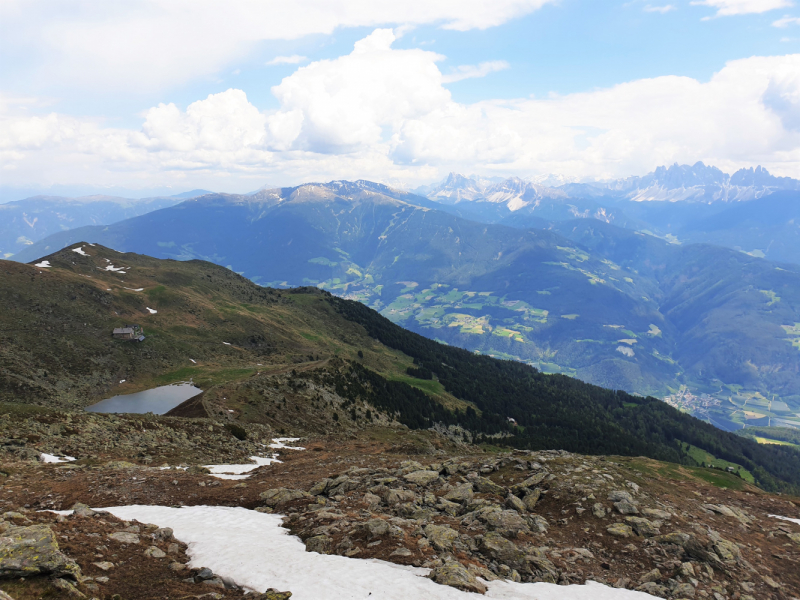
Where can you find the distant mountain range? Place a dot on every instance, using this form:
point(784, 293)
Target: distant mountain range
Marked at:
point(714, 330)
point(24, 222)
point(751, 210)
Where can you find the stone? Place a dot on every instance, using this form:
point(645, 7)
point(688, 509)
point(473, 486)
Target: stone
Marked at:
point(33, 550)
point(654, 575)
point(642, 527)
point(421, 478)
point(515, 503)
point(205, 573)
point(273, 594)
point(372, 499)
point(460, 493)
point(531, 482)
point(541, 569)
point(676, 537)
point(626, 508)
point(81, 510)
point(402, 552)
point(487, 486)
point(441, 537)
point(537, 523)
point(620, 530)
point(399, 496)
point(599, 511)
point(497, 548)
point(320, 544)
point(375, 528)
point(727, 551)
point(795, 537)
point(319, 488)
point(104, 565)
point(163, 534)
point(456, 575)
point(771, 582)
point(70, 590)
point(653, 589)
point(531, 498)
point(451, 508)
point(176, 566)
point(687, 570)
point(655, 513)
point(683, 590)
point(506, 522)
point(155, 552)
point(620, 496)
point(124, 537)
point(277, 496)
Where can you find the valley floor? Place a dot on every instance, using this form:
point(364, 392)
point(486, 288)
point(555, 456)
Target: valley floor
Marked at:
point(471, 517)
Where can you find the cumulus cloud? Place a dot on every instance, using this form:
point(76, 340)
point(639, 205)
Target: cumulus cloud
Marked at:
point(472, 71)
point(294, 59)
point(385, 114)
point(786, 21)
point(726, 8)
point(153, 44)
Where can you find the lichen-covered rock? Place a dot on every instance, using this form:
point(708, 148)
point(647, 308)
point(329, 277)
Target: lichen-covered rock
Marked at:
point(456, 575)
point(620, 496)
point(81, 510)
point(155, 552)
point(124, 537)
point(655, 513)
point(626, 508)
point(319, 543)
point(642, 526)
point(375, 528)
point(599, 511)
point(487, 486)
point(508, 523)
point(537, 523)
point(320, 487)
point(620, 530)
point(422, 478)
point(33, 550)
point(653, 589)
point(277, 496)
point(727, 551)
point(273, 594)
point(531, 498)
point(460, 493)
point(514, 503)
point(496, 547)
point(531, 482)
point(441, 537)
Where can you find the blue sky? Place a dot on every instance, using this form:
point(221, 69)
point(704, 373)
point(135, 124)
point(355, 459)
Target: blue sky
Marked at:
point(80, 90)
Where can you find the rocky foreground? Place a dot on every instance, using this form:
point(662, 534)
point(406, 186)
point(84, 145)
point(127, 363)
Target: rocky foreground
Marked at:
point(470, 515)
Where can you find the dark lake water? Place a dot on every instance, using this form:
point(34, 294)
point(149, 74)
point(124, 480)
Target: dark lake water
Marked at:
point(157, 400)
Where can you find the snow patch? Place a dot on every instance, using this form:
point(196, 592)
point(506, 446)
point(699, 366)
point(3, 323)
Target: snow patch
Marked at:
point(51, 458)
point(122, 380)
point(115, 269)
point(43, 264)
point(134, 289)
point(256, 552)
point(222, 471)
point(226, 343)
point(80, 251)
point(279, 443)
point(193, 360)
point(152, 311)
point(786, 519)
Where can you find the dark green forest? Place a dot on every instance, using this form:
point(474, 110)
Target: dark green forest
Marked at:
point(551, 411)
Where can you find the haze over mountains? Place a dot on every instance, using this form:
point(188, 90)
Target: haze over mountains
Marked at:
point(711, 328)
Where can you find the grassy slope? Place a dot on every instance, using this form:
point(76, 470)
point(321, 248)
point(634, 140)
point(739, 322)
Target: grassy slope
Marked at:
point(57, 350)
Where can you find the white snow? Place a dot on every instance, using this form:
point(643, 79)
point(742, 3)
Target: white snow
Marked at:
point(51, 458)
point(226, 343)
point(258, 461)
point(786, 519)
point(43, 264)
point(115, 269)
point(80, 251)
point(193, 360)
point(256, 552)
point(122, 380)
point(152, 311)
point(134, 290)
point(279, 443)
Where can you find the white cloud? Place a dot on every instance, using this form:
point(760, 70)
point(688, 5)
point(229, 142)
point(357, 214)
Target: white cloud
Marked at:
point(294, 59)
point(153, 44)
point(472, 71)
point(660, 9)
point(385, 114)
point(726, 8)
point(786, 21)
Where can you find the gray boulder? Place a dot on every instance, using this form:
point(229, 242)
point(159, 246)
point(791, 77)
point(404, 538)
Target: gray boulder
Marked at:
point(33, 550)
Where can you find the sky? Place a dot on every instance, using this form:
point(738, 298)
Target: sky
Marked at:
point(233, 96)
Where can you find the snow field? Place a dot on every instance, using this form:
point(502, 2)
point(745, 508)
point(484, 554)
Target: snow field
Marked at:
point(255, 551)
point(51, 458)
